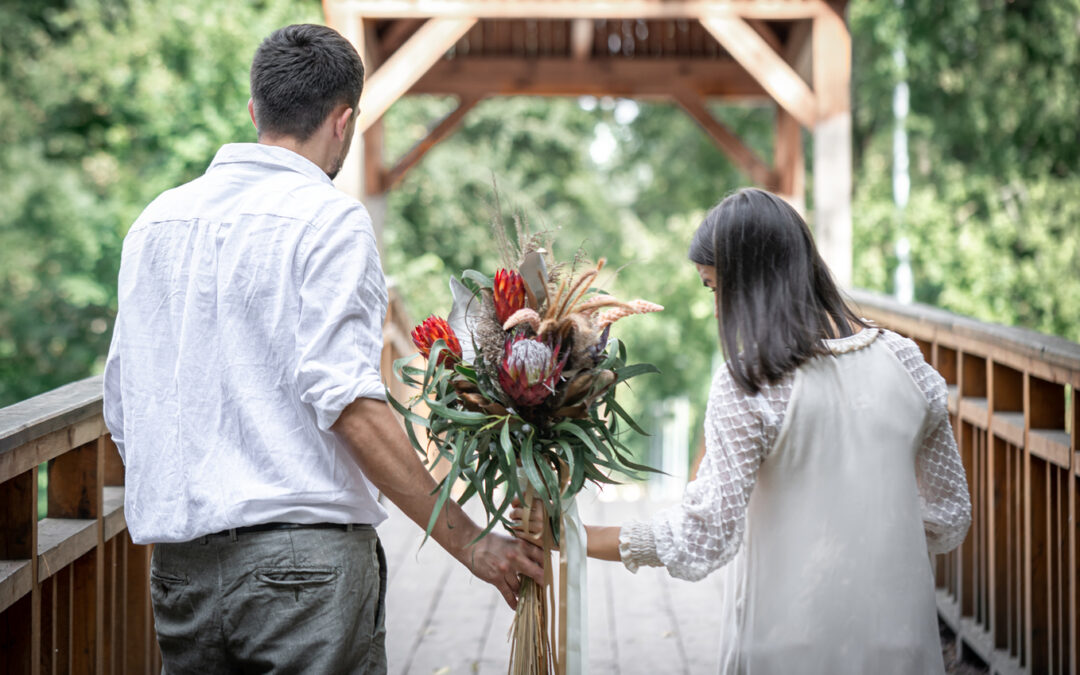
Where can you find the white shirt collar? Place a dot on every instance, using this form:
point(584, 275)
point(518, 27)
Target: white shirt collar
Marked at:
point(270, 155)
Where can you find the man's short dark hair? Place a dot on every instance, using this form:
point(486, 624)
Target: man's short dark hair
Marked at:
point(299, 74)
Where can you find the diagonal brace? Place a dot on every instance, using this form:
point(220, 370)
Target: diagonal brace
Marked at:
point(745, 159)
point(445, 127)
point(407, 65)
point(755, 55)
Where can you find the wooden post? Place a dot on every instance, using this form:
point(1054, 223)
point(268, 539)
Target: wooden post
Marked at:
point(20, 624)
point(789, 162)
point(831, 45)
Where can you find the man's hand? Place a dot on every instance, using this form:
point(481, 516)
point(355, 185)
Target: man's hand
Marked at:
point(386, 457)
point(498, 559)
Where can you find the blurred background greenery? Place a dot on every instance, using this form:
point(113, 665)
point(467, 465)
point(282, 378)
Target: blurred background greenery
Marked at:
point(108, 102)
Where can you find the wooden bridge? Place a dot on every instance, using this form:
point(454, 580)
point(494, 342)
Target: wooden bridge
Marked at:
point(74, 590)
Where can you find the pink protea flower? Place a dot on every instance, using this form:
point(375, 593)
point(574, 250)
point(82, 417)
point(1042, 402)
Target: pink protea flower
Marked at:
point(530, 369)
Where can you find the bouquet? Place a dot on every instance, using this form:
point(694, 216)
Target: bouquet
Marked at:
point(518, 396)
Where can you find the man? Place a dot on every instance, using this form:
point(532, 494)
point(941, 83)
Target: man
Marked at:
point(243, 391)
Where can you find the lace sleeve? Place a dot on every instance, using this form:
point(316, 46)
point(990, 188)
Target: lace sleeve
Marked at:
point(705, 531)
point(943, 488)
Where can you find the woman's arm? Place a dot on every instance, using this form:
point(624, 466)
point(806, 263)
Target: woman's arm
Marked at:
point(943, 488)
point(603, 542)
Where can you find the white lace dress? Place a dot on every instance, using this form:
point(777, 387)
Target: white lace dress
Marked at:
point(820, 497)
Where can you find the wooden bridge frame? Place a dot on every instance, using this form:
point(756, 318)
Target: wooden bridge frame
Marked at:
point(795, 54)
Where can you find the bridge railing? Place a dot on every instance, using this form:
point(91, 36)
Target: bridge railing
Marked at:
point(74, 589)
point(1010, 591)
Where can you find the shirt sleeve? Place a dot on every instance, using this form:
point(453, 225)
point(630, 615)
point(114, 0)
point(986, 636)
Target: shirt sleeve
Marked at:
point(112, 395)
point(342, 308)
point(943, 490)
point(705, 531)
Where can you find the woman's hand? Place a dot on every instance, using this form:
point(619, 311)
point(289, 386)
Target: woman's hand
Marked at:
point(533, 530)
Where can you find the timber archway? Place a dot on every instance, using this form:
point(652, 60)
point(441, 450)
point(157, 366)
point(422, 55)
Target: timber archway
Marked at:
point(794, 54)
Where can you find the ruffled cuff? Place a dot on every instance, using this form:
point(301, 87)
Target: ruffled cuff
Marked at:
point(637, 546)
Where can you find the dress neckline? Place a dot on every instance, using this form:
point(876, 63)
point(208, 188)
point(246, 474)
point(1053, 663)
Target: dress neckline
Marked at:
point(854, 342)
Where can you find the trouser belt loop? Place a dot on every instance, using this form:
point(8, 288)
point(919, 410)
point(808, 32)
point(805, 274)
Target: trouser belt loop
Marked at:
point(232, 534)
point(349, 527)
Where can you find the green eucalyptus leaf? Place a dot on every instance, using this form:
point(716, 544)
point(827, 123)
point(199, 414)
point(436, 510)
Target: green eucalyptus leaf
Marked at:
point(480, 279)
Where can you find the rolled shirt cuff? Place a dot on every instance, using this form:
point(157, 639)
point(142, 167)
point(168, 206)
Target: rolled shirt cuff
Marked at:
point(637, 546)
point(328, 408)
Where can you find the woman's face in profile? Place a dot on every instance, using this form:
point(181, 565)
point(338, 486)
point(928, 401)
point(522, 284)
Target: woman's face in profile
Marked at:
point(708, 277)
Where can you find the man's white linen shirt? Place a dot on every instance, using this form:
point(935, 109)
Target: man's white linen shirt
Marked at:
point(251, 304)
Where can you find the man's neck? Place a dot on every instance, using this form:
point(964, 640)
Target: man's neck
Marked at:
point(310, 150)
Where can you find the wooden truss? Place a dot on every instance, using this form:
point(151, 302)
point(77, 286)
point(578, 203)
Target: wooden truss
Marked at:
point(794, 53)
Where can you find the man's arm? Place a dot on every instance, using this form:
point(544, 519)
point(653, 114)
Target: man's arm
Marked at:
point(387, 458)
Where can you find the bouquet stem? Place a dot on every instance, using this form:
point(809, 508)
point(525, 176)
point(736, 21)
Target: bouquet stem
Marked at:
point(530, 633)
point(530, 644)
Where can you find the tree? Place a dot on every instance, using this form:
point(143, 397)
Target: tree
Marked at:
point(995, 149)
point(106, 104)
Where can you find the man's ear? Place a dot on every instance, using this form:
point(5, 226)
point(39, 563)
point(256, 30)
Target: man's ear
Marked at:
point(251, 111)
point(341, 122)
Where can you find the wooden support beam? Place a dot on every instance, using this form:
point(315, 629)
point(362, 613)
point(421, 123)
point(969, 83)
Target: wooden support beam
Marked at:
point(642, 78)
point(758, 58)
point(396, 35)
point(831, 44)
point(789, 162)
point(584, 9)
point(767, 34)
point(582, 32)
point(797, 52)
point(350, 178)
point(445, 127)
point(740, 154)
point(402, 69)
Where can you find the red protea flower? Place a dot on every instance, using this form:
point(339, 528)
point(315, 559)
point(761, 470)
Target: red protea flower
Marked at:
point(529, 370)
point(430, 331)
point(509, 292)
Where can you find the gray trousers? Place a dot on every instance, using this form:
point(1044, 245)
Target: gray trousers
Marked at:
point(283, 601)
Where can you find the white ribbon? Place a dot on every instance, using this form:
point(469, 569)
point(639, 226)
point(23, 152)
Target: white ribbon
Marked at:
point(575, 586)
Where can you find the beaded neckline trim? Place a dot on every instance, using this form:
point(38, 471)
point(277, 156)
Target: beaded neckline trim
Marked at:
point(854, 342)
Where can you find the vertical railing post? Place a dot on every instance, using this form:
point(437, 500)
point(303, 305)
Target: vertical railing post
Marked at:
point(20, 630)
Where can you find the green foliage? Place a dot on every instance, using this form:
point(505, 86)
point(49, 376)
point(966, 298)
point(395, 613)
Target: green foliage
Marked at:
point(105, 105)
point(993, 217)
point(108, 102)
point(556, 455)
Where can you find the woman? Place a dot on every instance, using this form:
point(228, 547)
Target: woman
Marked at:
point(830, 470)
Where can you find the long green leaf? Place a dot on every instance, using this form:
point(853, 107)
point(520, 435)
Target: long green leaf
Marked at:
point(626, 417)
point(532, 473)
point(626, 372)
point(409, 415)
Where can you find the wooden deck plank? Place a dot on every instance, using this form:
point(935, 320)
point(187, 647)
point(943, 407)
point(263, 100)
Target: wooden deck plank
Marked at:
point(441, 620)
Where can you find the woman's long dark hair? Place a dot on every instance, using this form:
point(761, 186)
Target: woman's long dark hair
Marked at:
point(777, 300)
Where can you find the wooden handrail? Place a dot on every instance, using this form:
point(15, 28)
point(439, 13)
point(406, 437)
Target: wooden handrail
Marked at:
point(1009, 341)
point(74, 590)
point(1010, 592)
